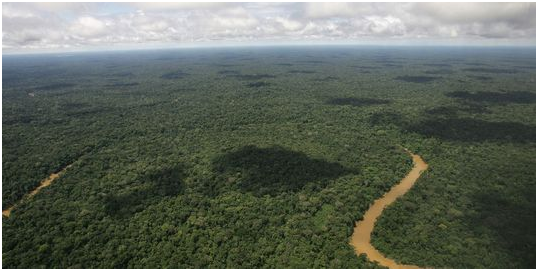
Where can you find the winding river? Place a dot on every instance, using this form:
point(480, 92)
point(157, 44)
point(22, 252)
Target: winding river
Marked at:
point(44, 183)
point(360, 239)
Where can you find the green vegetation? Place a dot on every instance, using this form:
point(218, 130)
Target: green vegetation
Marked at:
point(265, 157)
point(417, 79)
point(352, 101)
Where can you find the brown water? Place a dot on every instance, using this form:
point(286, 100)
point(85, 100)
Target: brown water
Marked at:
point(44, 183)
point(360, 239)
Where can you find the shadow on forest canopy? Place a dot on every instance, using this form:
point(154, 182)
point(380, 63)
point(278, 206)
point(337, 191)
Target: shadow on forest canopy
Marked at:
point(326, 79)
point(55, 86)
point(473, 130)
point(417, 79)
point(175, 75)
point(386, 118)
point(481, 78)
point(490, 70)
point(356, 102)
point(258, 84)
point(511, 221)
point(275, 170)
point(253, 77)
point(439, 72)
point(301, 72)
point(148, 189)
point(452, 111)
point(495, 97)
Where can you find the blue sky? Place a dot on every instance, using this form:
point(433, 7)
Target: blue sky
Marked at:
point(35, 27)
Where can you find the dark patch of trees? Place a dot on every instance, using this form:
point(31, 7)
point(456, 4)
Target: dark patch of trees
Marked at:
point(275, 170)
point(388, 62)
point(473, 130)
point(438, 64)
point(253, 77)
point(495, 97)
point(123, 74)
point(392, 65)
point(439, 72)
point(490, 70)
point(258, 84)
point(365, 67)
point(18, 120)
point(226, 65)
point(386, 118)
point(328, 78)
point(482, 78)
point(144, 191)
point(526, 67)
point(313, 61)
point(357, 102)
point(417, 79)
point(123, 84)
point(175, 75)
point(512, 223)
point(443, 111)
point(475, 64)
point(228, 72)
point(301, 72)
point(55, 86)
point(453, 111)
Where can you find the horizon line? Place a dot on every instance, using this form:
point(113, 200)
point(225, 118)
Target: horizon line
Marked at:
point(225, 46)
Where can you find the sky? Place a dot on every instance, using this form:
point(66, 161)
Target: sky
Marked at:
point(36, 27)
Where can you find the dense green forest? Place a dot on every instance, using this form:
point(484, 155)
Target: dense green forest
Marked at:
point(265, 157)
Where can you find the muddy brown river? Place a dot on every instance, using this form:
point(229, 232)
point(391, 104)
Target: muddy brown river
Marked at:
point(360, 239)
point(363, 228)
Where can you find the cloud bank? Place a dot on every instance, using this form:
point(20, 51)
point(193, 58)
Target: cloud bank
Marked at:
point(72, 26)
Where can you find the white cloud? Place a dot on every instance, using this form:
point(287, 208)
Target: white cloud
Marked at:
point(87, 26)
point(9, 11)
point(326, 10)
point(289, 25)
point(388, 25)
point(177, 6)
point(478, 12)
point(74, 25)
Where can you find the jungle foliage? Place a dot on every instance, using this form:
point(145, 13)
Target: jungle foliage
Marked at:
point(265, 157)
